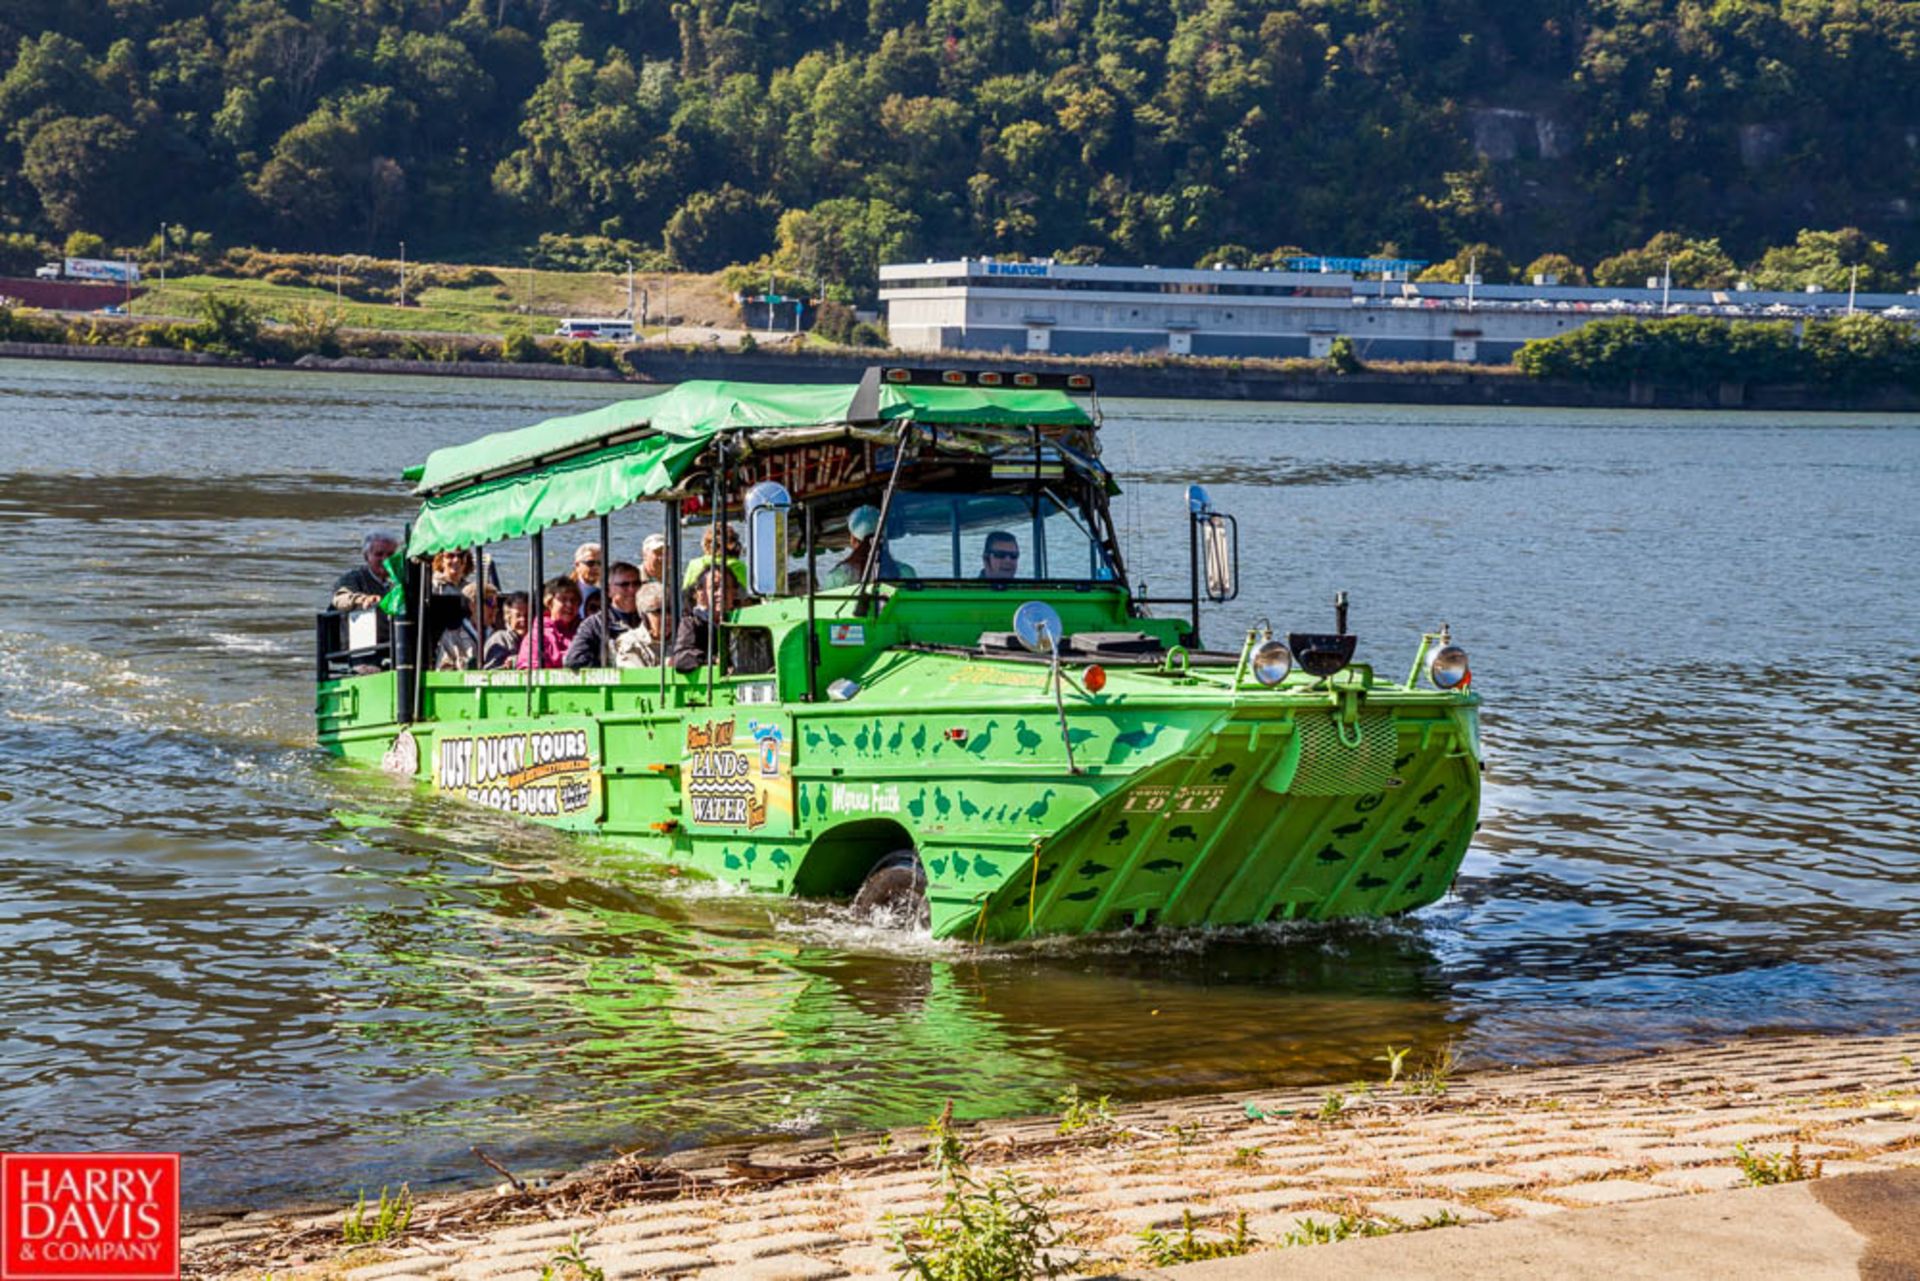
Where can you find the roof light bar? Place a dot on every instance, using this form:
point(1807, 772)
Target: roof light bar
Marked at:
point(900, 375)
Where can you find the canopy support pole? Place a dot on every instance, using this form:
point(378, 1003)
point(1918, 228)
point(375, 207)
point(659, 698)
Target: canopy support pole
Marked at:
point(717, 535)
point(813, 634)
point(669, 593)
point(536, 613)
point(871, 569)
point(606, 589)
point(479, 608)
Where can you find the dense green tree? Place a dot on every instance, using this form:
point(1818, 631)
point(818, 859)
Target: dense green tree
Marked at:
point(1828, 260)
point(1695, 264)
point(845, 240)
point(1565, 269)
point(1485, 260)
point(1133, 130)
point(88, 171)
point(716, 228)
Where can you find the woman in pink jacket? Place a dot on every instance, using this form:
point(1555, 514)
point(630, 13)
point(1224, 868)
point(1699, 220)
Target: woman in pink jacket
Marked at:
point(553, 631)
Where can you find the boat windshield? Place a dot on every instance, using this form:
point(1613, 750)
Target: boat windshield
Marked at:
point(1029, 537)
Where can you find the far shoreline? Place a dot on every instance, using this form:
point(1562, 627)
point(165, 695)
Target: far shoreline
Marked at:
point(1162, 378)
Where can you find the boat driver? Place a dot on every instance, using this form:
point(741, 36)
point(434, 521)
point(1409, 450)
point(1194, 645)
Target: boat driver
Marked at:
point(1000, 557)
point(362, 586)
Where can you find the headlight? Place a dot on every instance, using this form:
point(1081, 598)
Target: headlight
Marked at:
point(1449, 668)
point(1271, 663)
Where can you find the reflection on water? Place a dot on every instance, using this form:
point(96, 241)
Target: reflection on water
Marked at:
point(1697, 637)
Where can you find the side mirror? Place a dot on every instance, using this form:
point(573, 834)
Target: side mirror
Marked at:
point(1217, 540)
point(1037, 624)
point(768, 505)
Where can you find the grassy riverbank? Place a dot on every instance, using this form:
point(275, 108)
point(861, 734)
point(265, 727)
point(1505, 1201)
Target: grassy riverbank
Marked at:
point(484, 302)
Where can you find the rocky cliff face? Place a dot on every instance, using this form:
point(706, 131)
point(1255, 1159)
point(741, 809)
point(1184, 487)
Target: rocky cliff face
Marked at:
point(1508, 133)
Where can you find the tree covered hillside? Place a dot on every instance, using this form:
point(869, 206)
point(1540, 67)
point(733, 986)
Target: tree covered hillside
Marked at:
point(1142, 130)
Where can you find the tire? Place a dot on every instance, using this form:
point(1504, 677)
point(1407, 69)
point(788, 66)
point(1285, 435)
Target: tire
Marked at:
point(894, 894)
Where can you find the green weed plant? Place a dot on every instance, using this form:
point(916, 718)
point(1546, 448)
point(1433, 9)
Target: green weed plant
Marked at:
point(390, 1218)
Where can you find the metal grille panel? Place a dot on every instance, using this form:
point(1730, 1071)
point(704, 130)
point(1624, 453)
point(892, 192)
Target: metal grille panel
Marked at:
point(1332, 767)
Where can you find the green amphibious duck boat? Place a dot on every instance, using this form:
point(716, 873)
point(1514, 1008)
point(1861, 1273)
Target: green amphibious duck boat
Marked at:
point(1003, 745)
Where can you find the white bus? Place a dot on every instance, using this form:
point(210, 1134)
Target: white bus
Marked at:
point(615, 330)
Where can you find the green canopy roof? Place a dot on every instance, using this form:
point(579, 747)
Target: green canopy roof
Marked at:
point(515, 483)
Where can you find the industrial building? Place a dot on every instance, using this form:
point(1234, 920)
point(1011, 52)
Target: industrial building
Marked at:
point(982, 304)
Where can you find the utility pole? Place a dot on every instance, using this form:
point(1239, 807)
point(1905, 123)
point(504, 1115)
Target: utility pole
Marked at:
point(1473, 274)
point(403, 273)
point(1853, 283)
point(339, 289)
point(629, 290)
point(1666, 283)
point(529, 286)
point(163, 255)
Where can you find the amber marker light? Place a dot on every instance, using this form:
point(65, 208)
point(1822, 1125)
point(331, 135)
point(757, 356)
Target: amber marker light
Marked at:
point(1095, 679)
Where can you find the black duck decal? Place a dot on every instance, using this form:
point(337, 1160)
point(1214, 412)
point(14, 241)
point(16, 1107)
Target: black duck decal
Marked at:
point(978, 746)
point(1139, 740)
point(1162, 865)
point(1118, 832)
point(1083, 896)
point(1328, 854)
point(1091, 869)
point(1183, 833)
point(1351, 829)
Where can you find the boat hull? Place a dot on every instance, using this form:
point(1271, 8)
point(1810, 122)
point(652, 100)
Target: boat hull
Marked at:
point(1175, 807)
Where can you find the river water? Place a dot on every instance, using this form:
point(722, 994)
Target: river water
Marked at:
point(1698, 637)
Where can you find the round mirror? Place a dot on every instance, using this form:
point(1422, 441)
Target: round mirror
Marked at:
point(1199, 502)
point(1037, 624)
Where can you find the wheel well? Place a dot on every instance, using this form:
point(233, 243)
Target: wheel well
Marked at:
point(840, 858)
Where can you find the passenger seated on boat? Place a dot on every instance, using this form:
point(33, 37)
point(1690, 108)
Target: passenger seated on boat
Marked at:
point(714, 596)
point(1000, 556)
point(699, 564)
point(642, 646)
point(653, 558)
point(621, 616)
point(504, 644)
point(552, 633)
point(863, 525)
point(454, 653)
point(362, 586)
point(452, 570)
point(586, 576)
